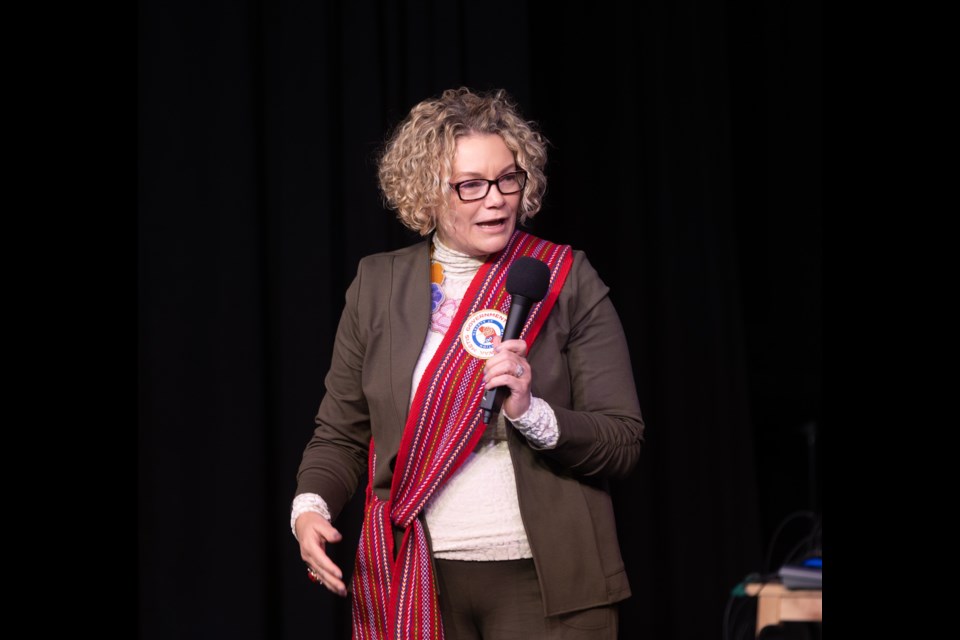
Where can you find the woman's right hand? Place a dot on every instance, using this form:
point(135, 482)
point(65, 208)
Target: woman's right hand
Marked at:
point(314, 532)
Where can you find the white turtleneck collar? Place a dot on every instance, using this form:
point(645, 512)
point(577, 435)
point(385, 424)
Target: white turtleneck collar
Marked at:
point(455, 264)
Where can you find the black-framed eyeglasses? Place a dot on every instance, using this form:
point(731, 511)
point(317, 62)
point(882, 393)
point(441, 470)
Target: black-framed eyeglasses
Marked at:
point(478, 188)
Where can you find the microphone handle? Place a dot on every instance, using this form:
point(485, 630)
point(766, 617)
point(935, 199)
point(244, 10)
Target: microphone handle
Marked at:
point(516, 318)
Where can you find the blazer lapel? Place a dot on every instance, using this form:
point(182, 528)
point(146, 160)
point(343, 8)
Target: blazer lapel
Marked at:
point(409, 321)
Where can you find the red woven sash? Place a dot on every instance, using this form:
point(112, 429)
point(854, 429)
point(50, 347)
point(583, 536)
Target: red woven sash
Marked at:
point(397, 600)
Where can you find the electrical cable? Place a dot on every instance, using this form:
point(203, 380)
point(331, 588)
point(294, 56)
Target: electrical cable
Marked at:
point(783, 523)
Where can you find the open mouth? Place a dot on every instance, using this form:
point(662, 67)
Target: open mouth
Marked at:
point(491, 224)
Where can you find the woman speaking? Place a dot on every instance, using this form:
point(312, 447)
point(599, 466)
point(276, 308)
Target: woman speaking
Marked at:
point(491, 521)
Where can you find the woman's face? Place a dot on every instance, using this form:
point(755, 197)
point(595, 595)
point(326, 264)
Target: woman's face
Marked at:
point(483, 226)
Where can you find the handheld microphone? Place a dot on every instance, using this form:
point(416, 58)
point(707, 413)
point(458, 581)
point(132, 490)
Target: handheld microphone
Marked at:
point(527, 283)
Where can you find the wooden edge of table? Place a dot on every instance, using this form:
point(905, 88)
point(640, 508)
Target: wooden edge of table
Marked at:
point(778, 604)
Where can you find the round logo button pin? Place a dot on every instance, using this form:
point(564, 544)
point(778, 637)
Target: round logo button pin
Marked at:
point(478, 331)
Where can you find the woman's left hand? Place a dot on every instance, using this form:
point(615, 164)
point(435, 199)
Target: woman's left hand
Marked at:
point(509, 368)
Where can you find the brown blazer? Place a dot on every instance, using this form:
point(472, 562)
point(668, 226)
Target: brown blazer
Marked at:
point(580, 365)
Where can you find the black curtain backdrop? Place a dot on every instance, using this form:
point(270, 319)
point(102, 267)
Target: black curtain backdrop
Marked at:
point(686, 162)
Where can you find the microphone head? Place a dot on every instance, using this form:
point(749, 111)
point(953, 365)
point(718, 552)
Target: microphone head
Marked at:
point(528, 277)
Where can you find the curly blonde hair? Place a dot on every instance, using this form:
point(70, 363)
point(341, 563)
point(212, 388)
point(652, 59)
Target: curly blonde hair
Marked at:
point(417, 158)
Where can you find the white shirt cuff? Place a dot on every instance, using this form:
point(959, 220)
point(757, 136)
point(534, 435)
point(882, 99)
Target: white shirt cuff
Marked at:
point(307, 502)
point(538, 424)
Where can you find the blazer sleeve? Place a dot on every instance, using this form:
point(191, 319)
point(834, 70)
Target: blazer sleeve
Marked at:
point(598, 413)
point(335, 457)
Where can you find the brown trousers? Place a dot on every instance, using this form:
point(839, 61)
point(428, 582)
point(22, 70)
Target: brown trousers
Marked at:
point(501, 601)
